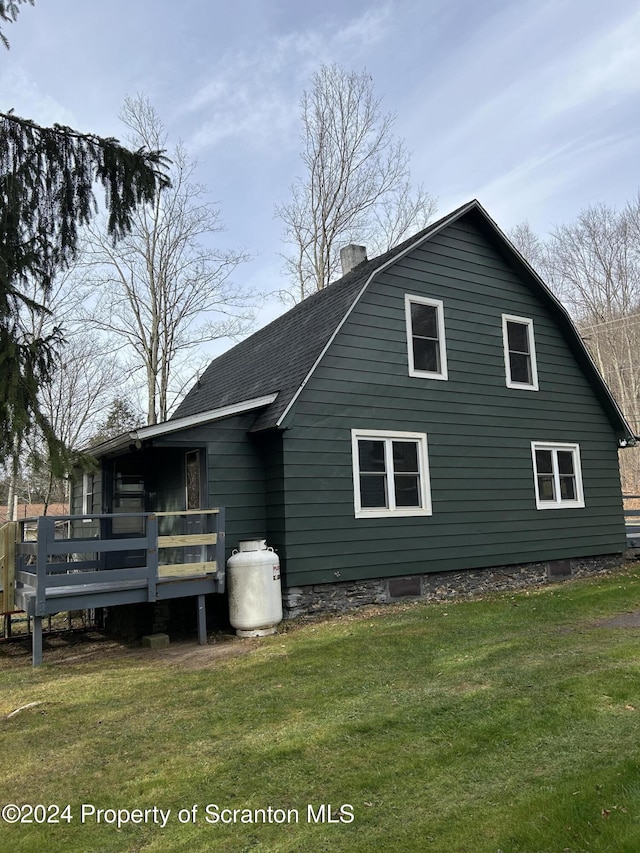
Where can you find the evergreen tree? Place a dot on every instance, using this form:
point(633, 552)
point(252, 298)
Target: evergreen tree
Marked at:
point(46, 194)
point(120, 418)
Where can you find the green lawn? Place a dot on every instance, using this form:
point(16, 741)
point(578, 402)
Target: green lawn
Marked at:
point(506, 724)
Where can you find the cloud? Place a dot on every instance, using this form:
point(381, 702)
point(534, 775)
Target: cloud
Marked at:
point(607, 65)
point(532, 188)
point(29, 101)
point(366, 30)
point(252, 95)
point(533, 116)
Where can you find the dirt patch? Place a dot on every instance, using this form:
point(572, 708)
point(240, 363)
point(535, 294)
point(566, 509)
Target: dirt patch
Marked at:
point(189, 655)
point(623, 620)
point(66, 649)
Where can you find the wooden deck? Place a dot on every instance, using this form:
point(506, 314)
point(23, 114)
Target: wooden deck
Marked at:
point(60, 570)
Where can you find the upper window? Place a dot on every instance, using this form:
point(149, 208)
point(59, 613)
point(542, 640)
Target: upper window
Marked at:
point(390, 473)
point(557, 474)
point(519, 353)
point(425, 337)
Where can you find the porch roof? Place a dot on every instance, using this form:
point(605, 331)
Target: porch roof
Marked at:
point(138, 436)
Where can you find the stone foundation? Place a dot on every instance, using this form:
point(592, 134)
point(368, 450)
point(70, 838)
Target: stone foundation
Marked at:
point(342, 596)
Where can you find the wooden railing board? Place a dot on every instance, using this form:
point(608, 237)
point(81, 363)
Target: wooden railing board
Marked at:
point(185, 569)
point(8, 534)
point(189, 512)
point(184, 539)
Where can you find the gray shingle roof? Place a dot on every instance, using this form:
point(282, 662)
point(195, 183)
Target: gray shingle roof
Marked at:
point(275, 359)
point(278, 357)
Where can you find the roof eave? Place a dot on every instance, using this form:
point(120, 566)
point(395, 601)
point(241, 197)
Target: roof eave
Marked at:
point(136, 437)
point(629, 438)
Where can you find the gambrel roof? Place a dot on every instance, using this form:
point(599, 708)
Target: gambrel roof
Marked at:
point(280, 358)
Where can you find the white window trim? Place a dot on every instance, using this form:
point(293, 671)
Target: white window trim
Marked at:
point(87, 492)
point(528, 322)
point(423, 469)
point(438, 304)
point(577, 469)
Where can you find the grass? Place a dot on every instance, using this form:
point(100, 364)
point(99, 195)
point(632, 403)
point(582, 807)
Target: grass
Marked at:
point(505, 724)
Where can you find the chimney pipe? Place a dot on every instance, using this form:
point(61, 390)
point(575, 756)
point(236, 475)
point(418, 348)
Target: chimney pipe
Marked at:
point(351, 256)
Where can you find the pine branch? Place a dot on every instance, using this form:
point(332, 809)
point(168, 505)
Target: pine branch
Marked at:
point(47, 176)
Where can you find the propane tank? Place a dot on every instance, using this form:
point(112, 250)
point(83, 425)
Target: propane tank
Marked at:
point(255, 597)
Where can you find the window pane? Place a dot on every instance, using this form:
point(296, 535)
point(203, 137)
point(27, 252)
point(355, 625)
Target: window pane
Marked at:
point(424, 320)
point(193, 479)
point(546, 488)
point(544, 464)
point(405, 456)
point(565, 462)
point(407, 490)
point(518, 337)
point(426, 355)
point(373, 491)
point(370, 455)
point(567, 488)
point(520, 368)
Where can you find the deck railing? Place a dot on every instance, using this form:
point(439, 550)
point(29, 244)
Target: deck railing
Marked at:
point(632, 519)
point(60, 565)
point(59, 570)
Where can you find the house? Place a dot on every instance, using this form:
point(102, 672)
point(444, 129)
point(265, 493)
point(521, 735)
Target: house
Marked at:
point(28, 510)
point(434, 410)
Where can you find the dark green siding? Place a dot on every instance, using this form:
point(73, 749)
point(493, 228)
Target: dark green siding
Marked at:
point(237, 479)
point(479, 431)
point(271, 449)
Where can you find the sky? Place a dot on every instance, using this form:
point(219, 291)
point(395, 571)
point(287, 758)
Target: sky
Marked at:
point(532, 107)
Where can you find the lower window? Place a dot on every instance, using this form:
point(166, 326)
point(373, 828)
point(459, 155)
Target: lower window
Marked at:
point(390, 473)
point(557, 475)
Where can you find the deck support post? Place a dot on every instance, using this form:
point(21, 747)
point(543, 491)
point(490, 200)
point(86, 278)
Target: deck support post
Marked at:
point(202, 621)
point(36, 640)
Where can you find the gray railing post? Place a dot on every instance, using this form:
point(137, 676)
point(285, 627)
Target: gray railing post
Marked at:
point(152, 555)
point(45, 534)
point(202, 621)
point(36, 641)
point(220, 550)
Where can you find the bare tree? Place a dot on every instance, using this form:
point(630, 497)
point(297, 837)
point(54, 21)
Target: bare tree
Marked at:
point(595, 269)
point(356, 184)
point(161, 292)
point(86, 374)
point(82, 373)
point(530, 246)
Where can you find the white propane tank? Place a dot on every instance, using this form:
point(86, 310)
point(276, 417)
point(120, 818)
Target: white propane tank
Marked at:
point(255, 597)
